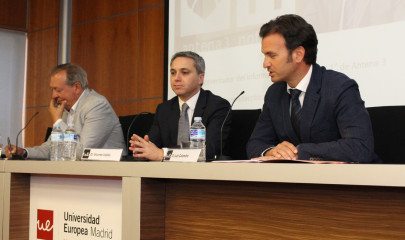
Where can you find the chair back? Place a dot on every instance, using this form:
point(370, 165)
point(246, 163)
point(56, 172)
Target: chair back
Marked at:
point(139, 124)
point(242, 125)
point(389, 132)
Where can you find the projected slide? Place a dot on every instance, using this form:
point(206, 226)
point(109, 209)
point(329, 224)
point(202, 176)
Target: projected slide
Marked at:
point(361, 38)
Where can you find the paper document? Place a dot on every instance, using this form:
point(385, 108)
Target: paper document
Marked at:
point(281, 161)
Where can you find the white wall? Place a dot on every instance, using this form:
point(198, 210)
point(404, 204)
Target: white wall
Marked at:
point(12, 81)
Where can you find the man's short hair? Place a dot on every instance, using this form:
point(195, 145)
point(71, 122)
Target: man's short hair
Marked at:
point(296, 32)
point(198, 60)
point(74, 73)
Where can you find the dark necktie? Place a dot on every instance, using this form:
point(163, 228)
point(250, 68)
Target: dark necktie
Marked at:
point(295, 110)
point(184, 127)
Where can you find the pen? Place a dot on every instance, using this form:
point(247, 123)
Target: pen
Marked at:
point(9, 144)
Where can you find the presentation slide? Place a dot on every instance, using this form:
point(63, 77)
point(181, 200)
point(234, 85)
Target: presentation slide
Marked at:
point(361, 38)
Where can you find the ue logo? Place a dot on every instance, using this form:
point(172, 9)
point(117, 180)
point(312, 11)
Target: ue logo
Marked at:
point(44, 224)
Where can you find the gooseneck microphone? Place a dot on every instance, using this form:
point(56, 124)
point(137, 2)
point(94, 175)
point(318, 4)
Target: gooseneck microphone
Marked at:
point(16, 156)
point(221, 156)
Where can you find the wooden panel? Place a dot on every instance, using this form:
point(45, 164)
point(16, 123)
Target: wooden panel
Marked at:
point(106, 50)
point(42, 56)
point(151, 52)
point(43, 14)
point(13, 14)
point(152, 209)
point(19, 206)
point(4, 206)
point(137, 106)
point(123, 53)
point(90, 10)
point(147, 4)
point(238, 210)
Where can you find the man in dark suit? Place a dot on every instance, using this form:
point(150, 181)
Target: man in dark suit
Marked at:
point(186, 78)
point(309, 112)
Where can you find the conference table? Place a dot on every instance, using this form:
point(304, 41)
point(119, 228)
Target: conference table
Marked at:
point(169, 200)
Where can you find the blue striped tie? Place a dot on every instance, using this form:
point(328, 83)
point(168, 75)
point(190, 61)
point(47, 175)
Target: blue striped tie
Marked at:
point(295, 110)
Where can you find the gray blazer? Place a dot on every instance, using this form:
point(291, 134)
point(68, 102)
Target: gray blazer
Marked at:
point(96, 123)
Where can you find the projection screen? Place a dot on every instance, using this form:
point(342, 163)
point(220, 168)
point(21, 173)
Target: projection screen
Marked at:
point(361, 38)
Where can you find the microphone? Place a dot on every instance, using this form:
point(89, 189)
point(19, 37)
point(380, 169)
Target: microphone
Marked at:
point(222, 157)
point(16, 156)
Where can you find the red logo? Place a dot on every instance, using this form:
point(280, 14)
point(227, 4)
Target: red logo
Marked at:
point(44, 224)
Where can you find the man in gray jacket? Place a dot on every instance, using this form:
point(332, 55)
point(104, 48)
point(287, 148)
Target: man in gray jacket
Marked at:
point(90, 113)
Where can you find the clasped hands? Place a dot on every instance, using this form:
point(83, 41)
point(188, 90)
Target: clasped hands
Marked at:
point(284, 150)
point(144, 148)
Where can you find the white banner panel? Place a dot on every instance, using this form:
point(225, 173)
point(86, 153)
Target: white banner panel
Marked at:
point(75, 208)
point(360, 38)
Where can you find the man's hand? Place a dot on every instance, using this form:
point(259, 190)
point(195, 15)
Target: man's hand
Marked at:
point(142, 147)
point(56, 109)
point(11, 150)
point(284, 150)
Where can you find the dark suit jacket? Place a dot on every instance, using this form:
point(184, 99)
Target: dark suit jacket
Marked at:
point(210, 107)
point(335, 124)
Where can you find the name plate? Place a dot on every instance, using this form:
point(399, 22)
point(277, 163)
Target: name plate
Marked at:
point(182, 155)
point(99, 154)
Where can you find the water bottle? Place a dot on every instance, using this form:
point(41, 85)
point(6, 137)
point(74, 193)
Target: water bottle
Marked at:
point(197, 137)
point(70, 140)
point(1, 147)
point(56, 144)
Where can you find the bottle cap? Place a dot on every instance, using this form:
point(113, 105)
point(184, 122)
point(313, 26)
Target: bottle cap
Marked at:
point(196, 119)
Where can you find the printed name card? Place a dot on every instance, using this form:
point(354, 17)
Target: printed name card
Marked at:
point(99, 154)
point(182, 155)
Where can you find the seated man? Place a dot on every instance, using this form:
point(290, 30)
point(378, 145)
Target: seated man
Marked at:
point(309, 112)
point(72, 101)
point(186, 78)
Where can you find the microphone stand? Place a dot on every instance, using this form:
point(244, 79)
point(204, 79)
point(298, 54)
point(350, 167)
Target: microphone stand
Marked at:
point(221, 156)
point(17, 156)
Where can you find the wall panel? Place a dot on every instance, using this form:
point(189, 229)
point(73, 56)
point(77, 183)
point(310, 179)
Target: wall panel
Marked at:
point(136, 106)
point(151, 52)
point(43, 14)
point(42, 56)
point(105, 49)
point(101, 9)
point(13, 14)
point(121, 46)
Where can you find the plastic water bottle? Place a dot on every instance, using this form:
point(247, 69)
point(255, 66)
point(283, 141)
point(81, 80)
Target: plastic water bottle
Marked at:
point(70, 140)
point(197, 137)
point(57, 144)
point(1, 147)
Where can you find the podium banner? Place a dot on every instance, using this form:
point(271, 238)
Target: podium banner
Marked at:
point(75, 208)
